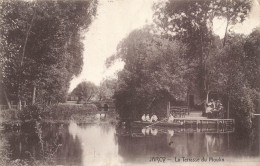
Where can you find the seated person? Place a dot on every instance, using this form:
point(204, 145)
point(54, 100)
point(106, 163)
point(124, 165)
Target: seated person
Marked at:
point(102, 116)
point(154, 118)
point(98, 116)
point(219, 108)
point(219, 105)
point(209, 108)
point(170, 119)
point(147, 118)
point(143, 117)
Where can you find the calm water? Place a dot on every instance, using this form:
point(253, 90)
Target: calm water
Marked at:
point(96, 144)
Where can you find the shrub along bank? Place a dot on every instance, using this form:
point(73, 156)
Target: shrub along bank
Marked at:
point(55, 113)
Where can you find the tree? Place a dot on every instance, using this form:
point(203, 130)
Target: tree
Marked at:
point(191, 22)
point(85, 91)
point(41, 46)
point(107, 89)
point(235, 72)
point(154, 70)
point(252, 60)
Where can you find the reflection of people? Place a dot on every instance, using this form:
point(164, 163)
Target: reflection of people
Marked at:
point(210, 142)
point(171, 132)
point(147, 131)
point(143, 131)
point(170, 119)
point(143, 117)
point(154, 131)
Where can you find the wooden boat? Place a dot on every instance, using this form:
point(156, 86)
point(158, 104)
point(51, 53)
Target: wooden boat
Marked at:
point(189, 122)
point(162, 124)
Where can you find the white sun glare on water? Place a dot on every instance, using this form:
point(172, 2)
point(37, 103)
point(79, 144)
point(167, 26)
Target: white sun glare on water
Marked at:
point(115, 20)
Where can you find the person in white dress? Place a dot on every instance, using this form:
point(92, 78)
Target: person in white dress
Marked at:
point(154, 118)
point(143, 117)
point(170, 119)
point(102, 116)
point(147, 118)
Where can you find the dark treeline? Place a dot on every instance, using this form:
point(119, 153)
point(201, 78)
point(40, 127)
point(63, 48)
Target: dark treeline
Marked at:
point(180, 54)
point(87, 91)
point(41, 47)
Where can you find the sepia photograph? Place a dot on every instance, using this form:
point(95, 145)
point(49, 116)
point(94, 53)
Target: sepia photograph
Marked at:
point(129, 82)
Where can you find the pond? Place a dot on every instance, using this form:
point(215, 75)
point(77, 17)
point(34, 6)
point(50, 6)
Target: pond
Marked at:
point(98, 144)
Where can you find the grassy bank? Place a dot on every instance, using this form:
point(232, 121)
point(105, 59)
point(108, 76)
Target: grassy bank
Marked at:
point(60, 113)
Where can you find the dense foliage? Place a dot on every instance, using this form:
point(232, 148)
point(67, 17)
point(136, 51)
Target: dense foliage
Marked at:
point(85, 91)
point(182, 55)
point(41, 46)
point(191, 21)
point(154, 69)
point(241, 66)
point(106, 89)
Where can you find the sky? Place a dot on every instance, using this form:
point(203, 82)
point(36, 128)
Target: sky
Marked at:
point(115, 20)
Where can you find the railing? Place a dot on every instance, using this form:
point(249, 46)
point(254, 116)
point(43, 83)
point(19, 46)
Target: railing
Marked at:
point(5, 107)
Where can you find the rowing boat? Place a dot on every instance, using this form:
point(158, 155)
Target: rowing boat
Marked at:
point(162, 124)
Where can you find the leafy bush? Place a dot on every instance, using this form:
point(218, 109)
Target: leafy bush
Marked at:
point(55, 112)
point(243, 106)
point(8, 115)
point(65, 112)
point(31, 112)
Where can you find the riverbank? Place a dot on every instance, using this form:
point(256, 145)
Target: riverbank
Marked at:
point(55, 114)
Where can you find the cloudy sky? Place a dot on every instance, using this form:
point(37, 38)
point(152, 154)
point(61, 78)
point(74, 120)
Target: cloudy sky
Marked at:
point(115, 20)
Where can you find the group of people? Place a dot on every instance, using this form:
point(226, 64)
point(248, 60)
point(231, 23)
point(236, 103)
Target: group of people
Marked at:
point(213, 108)
point(146, 118)
point(100, 116)
point(154, 118)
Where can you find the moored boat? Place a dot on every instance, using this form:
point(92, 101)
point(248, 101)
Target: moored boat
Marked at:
point(163, 124)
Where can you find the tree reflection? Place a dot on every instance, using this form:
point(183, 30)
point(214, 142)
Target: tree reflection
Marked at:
point(40, 144)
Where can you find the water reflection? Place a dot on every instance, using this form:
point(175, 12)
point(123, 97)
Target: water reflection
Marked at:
point(101, 144)
point(170, 143)
point(98, 144)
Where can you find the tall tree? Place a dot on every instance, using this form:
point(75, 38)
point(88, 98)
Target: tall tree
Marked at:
point(154, 70)
point(41, 46)
point(191, 21)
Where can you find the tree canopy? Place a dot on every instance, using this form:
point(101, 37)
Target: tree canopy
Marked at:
point(41, 46)
point(191, 21)
point(154, 68)
point(85, 91)
point(107, 89)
